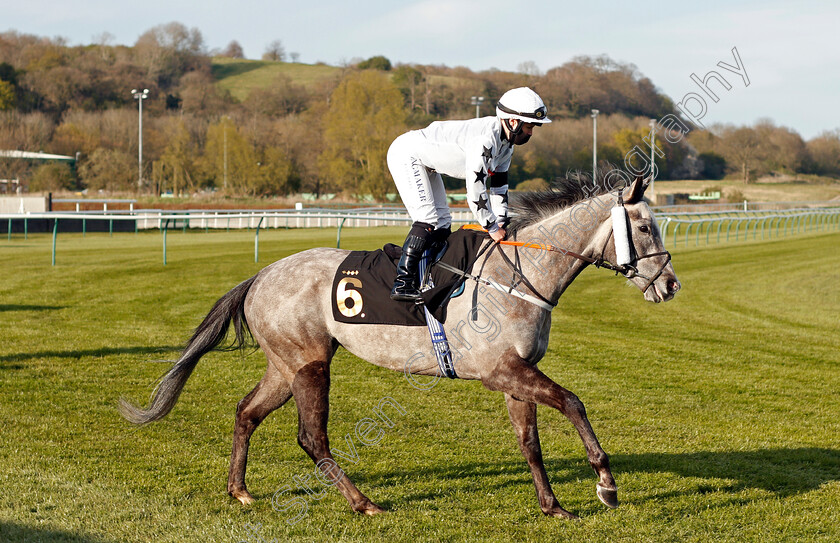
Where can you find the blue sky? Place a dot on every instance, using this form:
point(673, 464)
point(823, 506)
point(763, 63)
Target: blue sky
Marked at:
point(790, 50)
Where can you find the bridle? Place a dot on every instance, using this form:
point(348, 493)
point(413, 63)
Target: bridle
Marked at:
point(629, 270)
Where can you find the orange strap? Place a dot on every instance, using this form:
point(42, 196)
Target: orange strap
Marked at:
point(513, 243)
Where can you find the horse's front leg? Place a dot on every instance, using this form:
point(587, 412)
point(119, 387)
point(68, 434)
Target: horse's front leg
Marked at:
point(516, 377)
point(523, 416)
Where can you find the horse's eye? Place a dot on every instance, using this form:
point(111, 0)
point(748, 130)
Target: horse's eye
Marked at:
point(644, 229)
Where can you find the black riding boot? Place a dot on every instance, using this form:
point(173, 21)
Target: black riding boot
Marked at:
point(407, 285)
point(438, 240)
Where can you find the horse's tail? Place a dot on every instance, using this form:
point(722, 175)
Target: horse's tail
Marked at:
point(207, 337)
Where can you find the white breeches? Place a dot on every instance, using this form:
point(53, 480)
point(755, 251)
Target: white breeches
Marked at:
point(420, 188)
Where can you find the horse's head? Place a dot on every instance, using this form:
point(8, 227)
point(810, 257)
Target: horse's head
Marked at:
point(649, 266)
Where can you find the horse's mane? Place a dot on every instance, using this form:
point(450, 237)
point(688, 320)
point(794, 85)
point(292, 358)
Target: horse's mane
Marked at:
point(531, 207)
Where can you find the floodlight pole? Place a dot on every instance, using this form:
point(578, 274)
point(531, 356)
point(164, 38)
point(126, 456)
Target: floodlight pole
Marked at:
point(652, 164)
point(476, 101)
point(225, 153)
point(594, 146)
point(140, 96)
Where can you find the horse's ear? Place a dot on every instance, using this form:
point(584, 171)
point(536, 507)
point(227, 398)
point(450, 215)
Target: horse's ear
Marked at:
point(636, 191)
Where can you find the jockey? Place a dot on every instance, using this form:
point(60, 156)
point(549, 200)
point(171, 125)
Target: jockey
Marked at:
point(476, 150)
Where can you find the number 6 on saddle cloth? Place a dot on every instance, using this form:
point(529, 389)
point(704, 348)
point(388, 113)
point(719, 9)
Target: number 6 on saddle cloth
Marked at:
point(362, 283)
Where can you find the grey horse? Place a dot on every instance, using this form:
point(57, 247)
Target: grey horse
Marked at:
point(287, 308)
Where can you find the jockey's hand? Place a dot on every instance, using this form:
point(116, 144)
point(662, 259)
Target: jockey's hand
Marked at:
point(498, 235)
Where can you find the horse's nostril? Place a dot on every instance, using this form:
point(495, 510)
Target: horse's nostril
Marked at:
point(674, 286)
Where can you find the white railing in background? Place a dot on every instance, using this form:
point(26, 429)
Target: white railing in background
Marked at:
point(676, 227)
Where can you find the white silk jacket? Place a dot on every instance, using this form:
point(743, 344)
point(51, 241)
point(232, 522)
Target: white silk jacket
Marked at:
point(473, 150)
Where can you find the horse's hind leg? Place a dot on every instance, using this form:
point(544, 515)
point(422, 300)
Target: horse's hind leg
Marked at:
point(311, 390)
point(520, 379)
point(270, 393)
point(523, 416)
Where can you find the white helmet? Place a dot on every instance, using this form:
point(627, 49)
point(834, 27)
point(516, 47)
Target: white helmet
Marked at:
point(522, 104)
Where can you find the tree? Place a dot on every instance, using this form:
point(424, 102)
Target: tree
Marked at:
point(199, 95)
point(58, 87)
point(25, 131)
point(233, 50)
point(109, 169)
point(407, 79)
point(51, 177)
point(277, 174)
point(275, 51)
point(529, 67)
point(714, 165)
point(301, 139)
point(7, 96)
point(741, 148)
point(782, 148)
point(176, 163)
point(231, 161)
point(365, 116)
point(170, 50)
point(824, 154)
point(601, 83)
point(282, 97)
point(378, 62)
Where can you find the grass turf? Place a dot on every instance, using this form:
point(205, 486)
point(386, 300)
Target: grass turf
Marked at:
point(719, 409)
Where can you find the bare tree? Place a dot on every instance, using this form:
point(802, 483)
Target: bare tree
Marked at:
point(529, 67)
point(741, 146)
point(168, 51)
point(824, 152)
point(233, 50)
point(275, 51)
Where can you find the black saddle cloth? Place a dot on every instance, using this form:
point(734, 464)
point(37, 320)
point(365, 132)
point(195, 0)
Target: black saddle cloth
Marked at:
point(361, 292)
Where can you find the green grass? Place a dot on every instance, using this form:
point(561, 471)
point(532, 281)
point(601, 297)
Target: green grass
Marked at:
point(719, 409)
point(241, 76)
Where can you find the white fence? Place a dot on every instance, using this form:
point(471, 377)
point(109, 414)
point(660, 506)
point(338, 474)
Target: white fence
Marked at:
point(676, 228)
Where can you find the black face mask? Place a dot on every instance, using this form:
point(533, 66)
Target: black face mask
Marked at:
point(517, 137)
point(521, 138)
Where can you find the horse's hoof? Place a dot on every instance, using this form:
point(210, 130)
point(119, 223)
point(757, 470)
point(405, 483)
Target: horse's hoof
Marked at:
point(366, 507)
point(243, 496)
point(559, 512)
point(372, 509)
point(609, 496)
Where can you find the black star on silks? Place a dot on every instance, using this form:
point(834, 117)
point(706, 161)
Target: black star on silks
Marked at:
point(504, 198)
point(481, 203)
point(488, 224)
point(486, 154)
point(479, 176)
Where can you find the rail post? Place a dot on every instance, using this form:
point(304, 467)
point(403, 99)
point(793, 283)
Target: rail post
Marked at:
point(165, 227)
point(257, 241)
point(338, 235)
point(55, 234)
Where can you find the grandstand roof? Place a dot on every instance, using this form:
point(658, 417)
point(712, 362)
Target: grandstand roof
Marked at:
point(34, 156)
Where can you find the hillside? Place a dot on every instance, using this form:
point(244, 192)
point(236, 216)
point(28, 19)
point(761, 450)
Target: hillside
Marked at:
point(240, 76)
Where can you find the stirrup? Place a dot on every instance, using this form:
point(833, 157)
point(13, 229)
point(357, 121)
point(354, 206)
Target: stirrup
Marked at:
point(405, 289)
point(406, 296)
